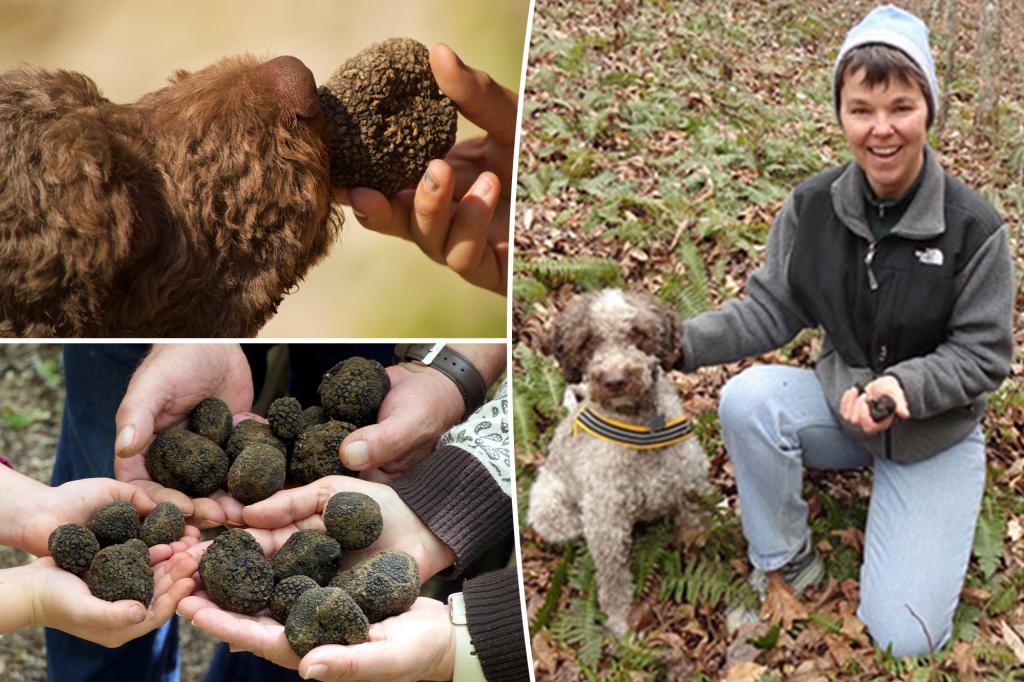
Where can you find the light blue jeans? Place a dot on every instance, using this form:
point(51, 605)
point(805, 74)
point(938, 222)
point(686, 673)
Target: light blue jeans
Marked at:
point(921, 516)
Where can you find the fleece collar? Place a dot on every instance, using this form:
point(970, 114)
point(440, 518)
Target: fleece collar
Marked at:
point(924, 217)
point(633, 436)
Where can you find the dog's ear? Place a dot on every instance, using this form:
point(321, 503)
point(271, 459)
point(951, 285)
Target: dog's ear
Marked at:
point(569, 337)
point(664, 330)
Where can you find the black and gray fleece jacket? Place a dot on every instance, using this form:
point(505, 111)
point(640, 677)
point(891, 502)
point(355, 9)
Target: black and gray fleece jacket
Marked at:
point(931, 303)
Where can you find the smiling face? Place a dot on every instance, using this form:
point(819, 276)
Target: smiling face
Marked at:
point(885, 124)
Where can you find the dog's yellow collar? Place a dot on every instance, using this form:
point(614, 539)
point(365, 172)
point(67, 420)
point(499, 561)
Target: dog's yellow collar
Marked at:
point(633, 436)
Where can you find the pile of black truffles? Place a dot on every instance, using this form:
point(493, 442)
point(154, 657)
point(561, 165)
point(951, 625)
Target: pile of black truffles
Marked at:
point(301, 584)
point(386, 117)
point(254, 460)
point(111, 551)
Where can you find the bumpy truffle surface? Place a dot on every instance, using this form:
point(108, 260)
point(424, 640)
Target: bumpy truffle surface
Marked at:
point(187, 462)
point(310, 553)
point(324, 615)
point(286, 593)
point(252, 431)
point(114, 523)
point(353, 390)
point(236, 574)
point(139, 547)
point(353, 519)
point(73, 547)
point(118, 572)
point(386, 117)
point(383, 585)
point(257, 473)
point(164, 525)
point(285, 417)
point(311, 416)
point(315, 454)
point(211, 419)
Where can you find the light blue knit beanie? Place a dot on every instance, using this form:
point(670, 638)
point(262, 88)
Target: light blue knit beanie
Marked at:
point(895, 27)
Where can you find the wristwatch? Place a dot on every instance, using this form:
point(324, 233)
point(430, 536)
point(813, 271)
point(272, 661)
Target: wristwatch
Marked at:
point(467, 664)
point(453, 365)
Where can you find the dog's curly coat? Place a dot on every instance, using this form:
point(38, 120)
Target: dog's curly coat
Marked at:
point(187, 213)
point(619, 345)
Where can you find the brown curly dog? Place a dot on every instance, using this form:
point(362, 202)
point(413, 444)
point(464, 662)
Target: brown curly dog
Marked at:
point(625, 452)
point(187, 213)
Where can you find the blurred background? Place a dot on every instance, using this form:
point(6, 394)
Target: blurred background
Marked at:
point(371, 285)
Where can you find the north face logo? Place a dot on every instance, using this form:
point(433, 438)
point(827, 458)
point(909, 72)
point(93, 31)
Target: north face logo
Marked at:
point(929, 256)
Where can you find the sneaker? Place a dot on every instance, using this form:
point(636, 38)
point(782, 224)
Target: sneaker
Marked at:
point(804, 570)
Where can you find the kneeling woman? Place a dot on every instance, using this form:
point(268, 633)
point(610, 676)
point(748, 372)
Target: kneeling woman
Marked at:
point(909, 273)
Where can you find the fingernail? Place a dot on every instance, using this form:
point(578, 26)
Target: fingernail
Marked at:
point(124, 438)
point(359, 215)
point(315, 671)
point(483, 186)
point(355, 455)
point(429, 183)
point(138, 613)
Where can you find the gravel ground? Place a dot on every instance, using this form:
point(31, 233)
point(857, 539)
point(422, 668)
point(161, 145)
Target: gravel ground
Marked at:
point(31, 400)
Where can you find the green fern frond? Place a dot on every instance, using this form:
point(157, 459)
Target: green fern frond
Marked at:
point(537, 391)
point(702, 581)
point(580, 627)
point(649, 552)
point(528, 290)
point(586, 272)
point(688, 292)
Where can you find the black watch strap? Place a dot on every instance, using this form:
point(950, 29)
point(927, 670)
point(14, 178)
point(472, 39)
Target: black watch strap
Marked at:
point(452, 364)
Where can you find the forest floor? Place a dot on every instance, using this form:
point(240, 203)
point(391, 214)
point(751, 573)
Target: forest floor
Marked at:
point(659, 140)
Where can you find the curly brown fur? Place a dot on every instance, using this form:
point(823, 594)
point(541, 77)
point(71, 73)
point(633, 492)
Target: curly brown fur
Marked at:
point(619, 345)
point(189, 212)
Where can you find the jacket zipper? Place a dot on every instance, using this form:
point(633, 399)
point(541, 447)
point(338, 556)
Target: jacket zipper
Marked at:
point(872, 280)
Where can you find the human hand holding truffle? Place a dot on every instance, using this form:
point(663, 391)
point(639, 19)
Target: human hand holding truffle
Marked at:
point(402, 530)
point(167, 386)
point(855, 405)
point(471, 235)
point(41, 593)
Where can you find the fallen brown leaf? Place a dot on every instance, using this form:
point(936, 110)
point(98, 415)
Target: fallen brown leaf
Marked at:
point(966, 663)
point(545, 656)
point(781, 604)
point(744, 671)
point(1013, 640)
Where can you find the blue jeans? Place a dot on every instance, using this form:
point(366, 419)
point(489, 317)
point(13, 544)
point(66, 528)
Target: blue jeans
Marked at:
point(921, 516)
point(95, 379)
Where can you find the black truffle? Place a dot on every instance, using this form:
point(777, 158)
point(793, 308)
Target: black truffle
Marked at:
point(114, 523)
point(119, 572)
point(236, 574)
point(211, 419)
point(311, 416)
point(324, 615)
point(353, 390)
point(285, 417)
point(164, 525)
point(386, 117)
point(257, 473)
point(187, 462)
point(353, 519)
point(73, 547)
point(309, 553)
point(383, 585)
point(286, 593)
point(252, 431)
point(139, 547)
point(315, 454)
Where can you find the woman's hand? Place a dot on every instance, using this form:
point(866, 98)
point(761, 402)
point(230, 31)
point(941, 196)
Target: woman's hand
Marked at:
point(855, 410)
point(171, 381)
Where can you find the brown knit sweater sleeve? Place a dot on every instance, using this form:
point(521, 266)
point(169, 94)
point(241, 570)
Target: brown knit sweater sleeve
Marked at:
point(496, 625)
point(459, 500)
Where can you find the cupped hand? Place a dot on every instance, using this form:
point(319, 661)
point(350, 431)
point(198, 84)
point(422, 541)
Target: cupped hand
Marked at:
point(63, 601)
point(75, 502)
point(459, 212)
point(422, 404)
point(171, 381)
point(300, 508)
point(854, 404)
